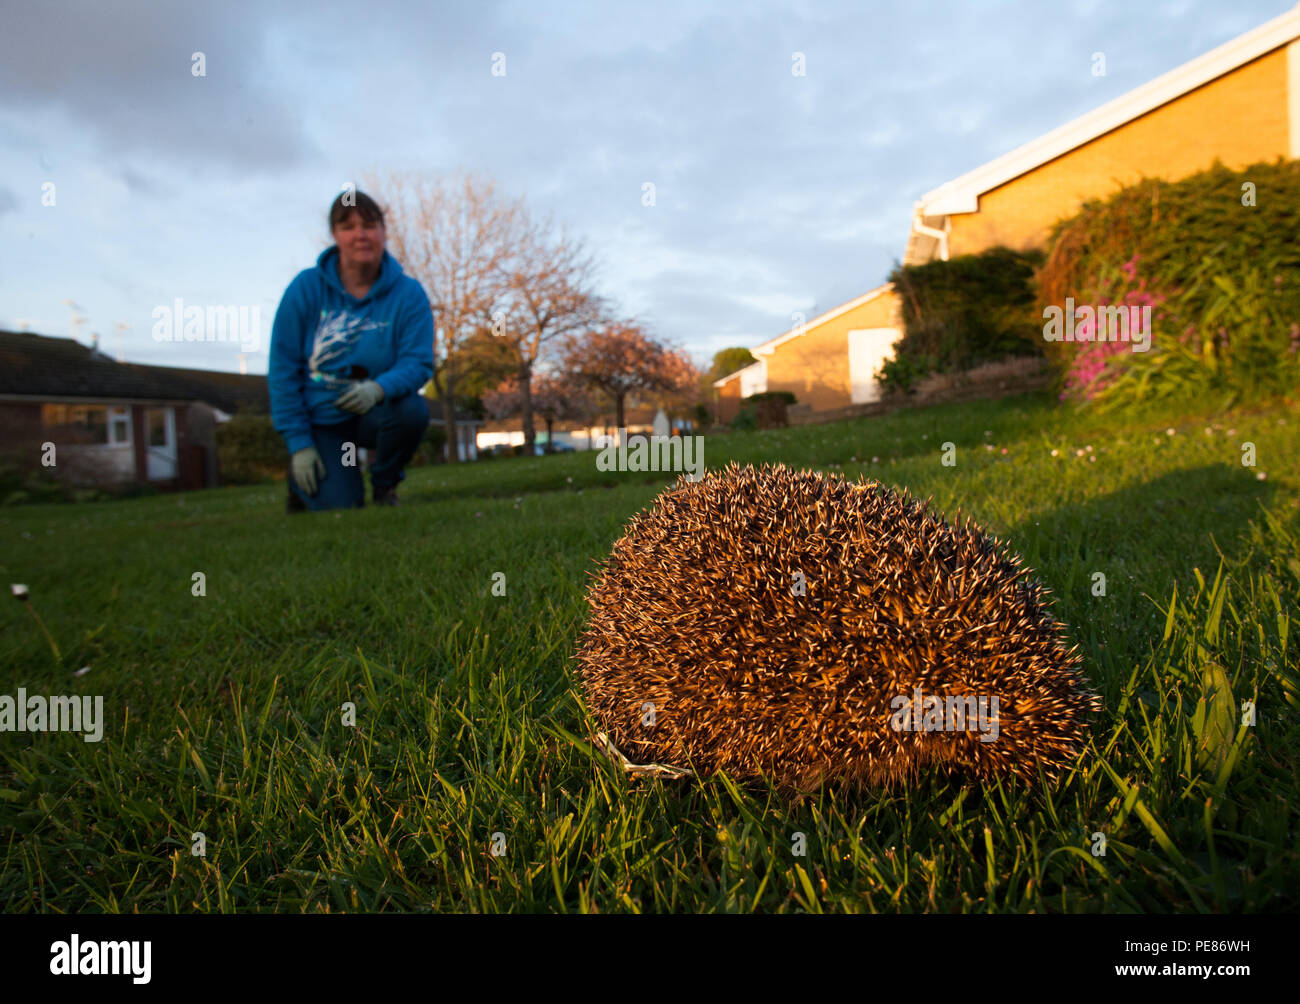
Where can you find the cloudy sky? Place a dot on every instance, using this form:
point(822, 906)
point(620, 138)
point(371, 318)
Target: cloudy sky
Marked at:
point(774, 192)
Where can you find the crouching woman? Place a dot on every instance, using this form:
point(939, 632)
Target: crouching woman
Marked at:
point(351, 347)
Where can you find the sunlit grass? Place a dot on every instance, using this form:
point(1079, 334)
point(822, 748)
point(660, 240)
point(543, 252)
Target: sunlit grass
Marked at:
point(225, 711)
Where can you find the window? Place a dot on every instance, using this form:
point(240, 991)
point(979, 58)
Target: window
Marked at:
point(82, 423)
point(157, 427)
point(119, 426)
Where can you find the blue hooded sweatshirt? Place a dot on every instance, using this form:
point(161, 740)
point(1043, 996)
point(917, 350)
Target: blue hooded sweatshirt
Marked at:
point(322, 331)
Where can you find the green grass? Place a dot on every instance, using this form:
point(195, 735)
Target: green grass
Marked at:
point(224, 711)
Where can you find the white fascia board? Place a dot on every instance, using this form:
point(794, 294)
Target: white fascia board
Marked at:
point(1293, 95)
point(736, 375)
point(961, 195)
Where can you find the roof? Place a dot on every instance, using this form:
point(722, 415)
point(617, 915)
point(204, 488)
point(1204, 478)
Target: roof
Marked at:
point(961, 195)
point(43, 367)
point(230, 392)
point(770, 346)
point(735, 374)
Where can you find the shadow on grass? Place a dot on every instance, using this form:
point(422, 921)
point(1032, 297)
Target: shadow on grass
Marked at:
point(1165, 526)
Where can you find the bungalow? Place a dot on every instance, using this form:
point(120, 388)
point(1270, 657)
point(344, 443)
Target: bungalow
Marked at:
point(1239, 103)
point(114, 422)
point(829, 362)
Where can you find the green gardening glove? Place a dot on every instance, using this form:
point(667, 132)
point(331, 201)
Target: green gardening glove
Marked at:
point(363, 396)
point(308, 469)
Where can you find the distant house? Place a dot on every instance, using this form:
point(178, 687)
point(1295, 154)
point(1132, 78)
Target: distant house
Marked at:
point(828, 362)
point(579, 436)
point(1239, 103)
point(114, 422)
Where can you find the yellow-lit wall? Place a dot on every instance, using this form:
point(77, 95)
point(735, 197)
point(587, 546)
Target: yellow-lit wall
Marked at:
point(815, 366)
point(728, 400)
point(1240, 118)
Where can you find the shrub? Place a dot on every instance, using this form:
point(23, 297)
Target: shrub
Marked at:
point(1219, 274)
point(249, 450)
point(784, 396)
point(430, 449)
point(769, 408)
point(745, 421)
point(962, 312)
point(76, 476)
point(902, 373)
point(22, 481)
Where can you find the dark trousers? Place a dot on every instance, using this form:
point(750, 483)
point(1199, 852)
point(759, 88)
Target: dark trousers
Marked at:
point(393, 429)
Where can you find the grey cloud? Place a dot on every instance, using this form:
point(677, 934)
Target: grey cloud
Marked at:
point(768, 185)
point(124, 71)
point(140, 184)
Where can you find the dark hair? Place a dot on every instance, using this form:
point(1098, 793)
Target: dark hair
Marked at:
point(357, 201)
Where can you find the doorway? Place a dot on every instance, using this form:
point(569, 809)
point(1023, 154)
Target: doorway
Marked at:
point(160, 439)
point(868, 348)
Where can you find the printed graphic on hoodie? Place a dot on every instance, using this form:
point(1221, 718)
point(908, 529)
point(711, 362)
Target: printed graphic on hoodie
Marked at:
point(335, 337)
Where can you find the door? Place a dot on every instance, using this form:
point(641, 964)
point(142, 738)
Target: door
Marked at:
point(753, 379)
point(868, 348)
point(160, 428)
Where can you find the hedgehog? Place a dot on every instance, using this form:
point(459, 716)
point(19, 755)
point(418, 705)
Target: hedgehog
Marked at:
point(769, 622)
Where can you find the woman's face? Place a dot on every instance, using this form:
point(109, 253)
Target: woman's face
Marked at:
point(360, 244)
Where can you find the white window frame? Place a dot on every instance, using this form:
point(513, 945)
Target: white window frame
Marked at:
point(116, 414)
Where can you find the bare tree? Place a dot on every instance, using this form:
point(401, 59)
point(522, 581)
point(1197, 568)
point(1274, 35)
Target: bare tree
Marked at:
point(547, 295)
point(455, 236)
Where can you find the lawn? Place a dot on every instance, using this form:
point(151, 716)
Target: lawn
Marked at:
point(225, 711)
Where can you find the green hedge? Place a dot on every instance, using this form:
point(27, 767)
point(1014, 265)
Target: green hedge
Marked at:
point(1222, 278)
point(430, 448)
point(962, 312)
point(745, 421)
point(764, 411)
point(249, 450)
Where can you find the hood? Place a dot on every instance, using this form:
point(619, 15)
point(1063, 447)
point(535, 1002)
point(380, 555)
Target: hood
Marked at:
point(390, 270)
